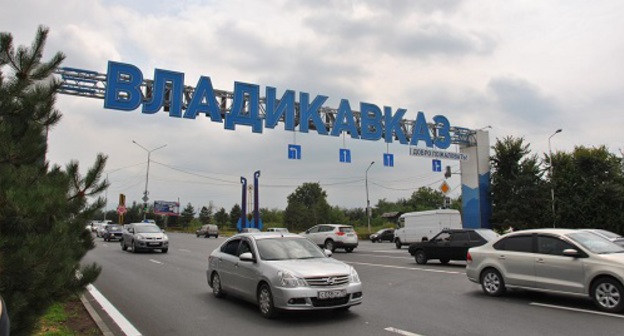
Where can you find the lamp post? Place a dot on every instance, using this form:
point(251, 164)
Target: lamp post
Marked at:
point(149, 153)
point(552, 188)
point(368, 215)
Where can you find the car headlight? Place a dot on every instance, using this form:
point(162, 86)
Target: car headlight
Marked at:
point(288, 280)
point(165, 237)
point(354, 277)
point(140, 237)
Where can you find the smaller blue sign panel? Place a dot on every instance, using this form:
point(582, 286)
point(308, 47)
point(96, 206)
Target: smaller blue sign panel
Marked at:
point(388, 160)
point(436, 165)
point(345, 155)
point(294, 152)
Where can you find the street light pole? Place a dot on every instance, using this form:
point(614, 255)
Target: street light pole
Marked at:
point(552, 187)
point(149, 154)
point(368, 215)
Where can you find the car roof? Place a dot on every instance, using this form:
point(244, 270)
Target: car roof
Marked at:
point(267, 235)
point(543, 230)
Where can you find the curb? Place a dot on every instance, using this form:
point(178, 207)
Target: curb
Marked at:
point(96, 317)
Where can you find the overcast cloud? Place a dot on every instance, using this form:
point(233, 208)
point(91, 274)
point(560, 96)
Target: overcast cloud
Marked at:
point(525, 68)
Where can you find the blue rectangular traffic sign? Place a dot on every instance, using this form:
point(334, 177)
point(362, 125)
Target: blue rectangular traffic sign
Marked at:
point(345, 155)
point(388, 160)
point(436, 165)
point(294, 152)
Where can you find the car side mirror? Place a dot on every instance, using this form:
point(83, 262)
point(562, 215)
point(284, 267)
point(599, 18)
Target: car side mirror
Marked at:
point(162, 230)
point(307, 231)
point(247, 256)
point(571, 253)
point(131, 230)
point(328, 253)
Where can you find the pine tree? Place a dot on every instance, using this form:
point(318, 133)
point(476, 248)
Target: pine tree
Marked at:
point(187, 215)
point(43, 209)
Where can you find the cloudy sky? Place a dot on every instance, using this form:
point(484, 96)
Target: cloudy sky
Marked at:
point(525, 68)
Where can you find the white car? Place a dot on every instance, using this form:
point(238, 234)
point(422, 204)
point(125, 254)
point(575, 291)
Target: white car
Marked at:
point(332, 236)
point(282, 271)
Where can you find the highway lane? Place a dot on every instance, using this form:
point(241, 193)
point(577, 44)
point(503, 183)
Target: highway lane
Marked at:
point(167, 294)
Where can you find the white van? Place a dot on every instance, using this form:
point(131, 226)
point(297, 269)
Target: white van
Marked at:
point(422, 225)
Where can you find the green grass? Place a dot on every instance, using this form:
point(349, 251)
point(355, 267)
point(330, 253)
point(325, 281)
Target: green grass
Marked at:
point(52, 323)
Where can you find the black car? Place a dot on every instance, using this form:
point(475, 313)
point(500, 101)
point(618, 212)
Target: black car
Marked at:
point(112, 232)
point(381, 235)
point(450, 245)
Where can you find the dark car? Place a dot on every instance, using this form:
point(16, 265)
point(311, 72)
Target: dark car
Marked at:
point(381, 235)
point(450, 245)
point(112, 232)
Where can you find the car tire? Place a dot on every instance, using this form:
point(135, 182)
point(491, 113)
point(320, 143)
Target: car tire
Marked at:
point(265, 302)
point(217, 289)
point(165, 250)
point(608, 295)
point(444, 261)
point(330, 245)
point(134, 247)
point(420, 257)
point(123, 246)
point(492, 282)
point(349, 249)
point(397, 243)
point(216, 236)
point(197, 234)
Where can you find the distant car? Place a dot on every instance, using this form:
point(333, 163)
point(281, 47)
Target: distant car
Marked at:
point(614, 237)
point(332, 236)
point(207, 231)
point(112, 232)
point(248, 230)
point(101, 230)
point(381, 235)
point(282, 271)
point(450, 245)
point(276, 229)
point(558, 261)
point(144, 236)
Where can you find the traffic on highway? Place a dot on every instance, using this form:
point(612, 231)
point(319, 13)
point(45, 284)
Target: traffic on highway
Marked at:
point(159, 294)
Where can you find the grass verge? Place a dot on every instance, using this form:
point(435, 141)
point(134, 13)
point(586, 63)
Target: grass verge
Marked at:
point(68, 318)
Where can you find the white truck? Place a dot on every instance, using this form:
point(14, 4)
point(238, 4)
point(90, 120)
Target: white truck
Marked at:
point(420, 226)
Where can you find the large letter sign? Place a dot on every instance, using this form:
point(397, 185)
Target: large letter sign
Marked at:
point(126, 90)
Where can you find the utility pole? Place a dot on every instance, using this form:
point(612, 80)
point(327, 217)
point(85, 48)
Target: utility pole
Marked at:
point(145, 193)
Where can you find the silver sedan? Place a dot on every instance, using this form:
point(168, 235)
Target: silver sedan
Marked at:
point(552, 260)
point(282, 271)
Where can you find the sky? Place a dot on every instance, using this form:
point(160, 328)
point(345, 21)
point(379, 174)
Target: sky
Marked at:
point(516, 68)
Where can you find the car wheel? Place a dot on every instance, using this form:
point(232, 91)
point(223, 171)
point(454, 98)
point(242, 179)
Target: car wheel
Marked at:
point(398, 243)
point(216, 236)
point(265, 302)
point(608, 294)
point(123, 246)
point(134, 247)
point(444, 261)
point(420, 257)
point(492, 282)
point(329, 245)
point(165, 250)
point(197, 234)
point(217, 290)
point(349, 249)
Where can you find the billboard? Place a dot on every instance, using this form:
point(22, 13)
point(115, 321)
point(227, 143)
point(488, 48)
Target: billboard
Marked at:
point(167, 208)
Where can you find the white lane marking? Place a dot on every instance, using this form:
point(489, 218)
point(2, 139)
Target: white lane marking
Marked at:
point(401, 332)
point(108, 307)
point(184, 250)
point(403, 267)
point(155, 261)
point(576, 310)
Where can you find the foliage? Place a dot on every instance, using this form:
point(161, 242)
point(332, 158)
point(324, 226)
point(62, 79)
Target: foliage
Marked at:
point(519, 194)
point(187, 215)
point(43, 209)
point(235, 214)
point(307, 206)
point(205, 214)
point(222, 218)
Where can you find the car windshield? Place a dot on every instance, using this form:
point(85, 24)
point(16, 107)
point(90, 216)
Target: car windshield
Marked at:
point(288, 248)
point(595, 243)
point(112, 227)
point(381, 231)
point(147, 229)
point(608, 234)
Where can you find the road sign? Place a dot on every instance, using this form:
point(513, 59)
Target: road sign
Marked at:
point(444, 187)
point(345, 155)
point(388, 160)
point(121, 210)
point(294, 152)
point(436, 165)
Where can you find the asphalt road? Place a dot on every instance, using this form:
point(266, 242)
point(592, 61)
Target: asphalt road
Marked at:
point(167, 294)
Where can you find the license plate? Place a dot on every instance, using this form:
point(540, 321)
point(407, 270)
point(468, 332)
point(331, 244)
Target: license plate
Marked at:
point(332, 294)
point(153, 244)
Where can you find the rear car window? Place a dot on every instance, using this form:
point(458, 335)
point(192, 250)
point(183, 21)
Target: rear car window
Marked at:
point(516, 244)
point(346, 229)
